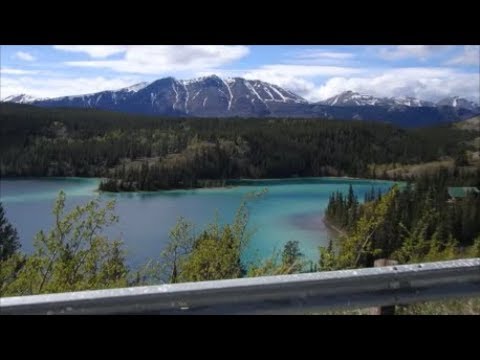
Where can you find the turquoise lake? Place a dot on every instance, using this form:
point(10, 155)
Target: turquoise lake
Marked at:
point(291, 209)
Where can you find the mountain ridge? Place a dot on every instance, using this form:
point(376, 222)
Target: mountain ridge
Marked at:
point(213, 96)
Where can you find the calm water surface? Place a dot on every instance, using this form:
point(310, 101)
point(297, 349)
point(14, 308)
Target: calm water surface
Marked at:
point(290, 210)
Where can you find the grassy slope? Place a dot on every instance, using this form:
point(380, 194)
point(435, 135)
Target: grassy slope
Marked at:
point(469, 124)
point(392, 170)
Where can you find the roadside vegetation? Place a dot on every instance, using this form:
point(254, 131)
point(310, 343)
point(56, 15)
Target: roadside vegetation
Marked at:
point(416, 223)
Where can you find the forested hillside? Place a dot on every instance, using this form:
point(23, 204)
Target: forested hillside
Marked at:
point(418, 222)
point(148, 153)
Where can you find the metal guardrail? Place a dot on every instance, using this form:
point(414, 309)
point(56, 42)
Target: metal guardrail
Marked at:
point(285, 294)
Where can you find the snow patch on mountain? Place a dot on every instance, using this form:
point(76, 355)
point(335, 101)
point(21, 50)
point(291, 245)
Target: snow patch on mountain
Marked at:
point(136, 87)
point(351, 98)
point(20, 99)
point(458, 102)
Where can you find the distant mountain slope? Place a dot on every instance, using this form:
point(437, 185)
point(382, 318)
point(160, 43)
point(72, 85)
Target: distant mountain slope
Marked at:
point(458, 102)
point(213, 96)
point(20, 99)
point(351, 98)
point(206, 96)
point(37, 141)
point(469, 124)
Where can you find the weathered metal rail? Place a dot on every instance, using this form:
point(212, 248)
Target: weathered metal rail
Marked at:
point(285, 294)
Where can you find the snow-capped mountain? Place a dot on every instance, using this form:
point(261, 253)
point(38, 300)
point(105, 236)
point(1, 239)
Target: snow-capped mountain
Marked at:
point(403, 111)
point(216, 97)
point(20, 99)
point(457, 102)
point(108, 99)
point(205, 96)
point(410, 101)
point(351, 98)
point(135, 88)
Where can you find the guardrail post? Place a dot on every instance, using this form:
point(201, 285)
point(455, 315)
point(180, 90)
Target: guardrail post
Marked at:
point(383, 310)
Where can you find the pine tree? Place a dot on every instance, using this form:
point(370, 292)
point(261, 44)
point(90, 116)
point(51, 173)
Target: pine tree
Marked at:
point(291, 256)
point(351, 197)
point(9, 242)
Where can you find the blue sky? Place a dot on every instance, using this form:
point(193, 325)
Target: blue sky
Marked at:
point(314, 72)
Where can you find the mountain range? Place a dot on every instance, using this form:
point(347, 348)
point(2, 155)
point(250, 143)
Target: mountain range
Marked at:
point(212, 96)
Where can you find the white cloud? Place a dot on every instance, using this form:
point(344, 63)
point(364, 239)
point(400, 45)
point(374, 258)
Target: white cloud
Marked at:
point(94, 51)
point(25, 56)
point(400, 52)
point(317, 83)
point(321, 57)
point(165, 59)
point(424, 83)
point(294, 77)
point(312, 79)
point(12, 71)
point(308, 71)
point(318, 54)
point(297, 78)
point(299, 86)
point(56, 87)
point(470, 56)
point(293, 83)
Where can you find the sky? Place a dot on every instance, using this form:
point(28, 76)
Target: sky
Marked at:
point(427, 72)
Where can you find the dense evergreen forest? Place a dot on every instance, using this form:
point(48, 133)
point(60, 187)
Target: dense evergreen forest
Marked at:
point(149, 153)
point(416, 222)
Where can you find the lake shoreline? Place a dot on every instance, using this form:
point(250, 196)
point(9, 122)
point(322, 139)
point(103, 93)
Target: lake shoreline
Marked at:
point(229, 183)
point(291, 210)
point(339, 232)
